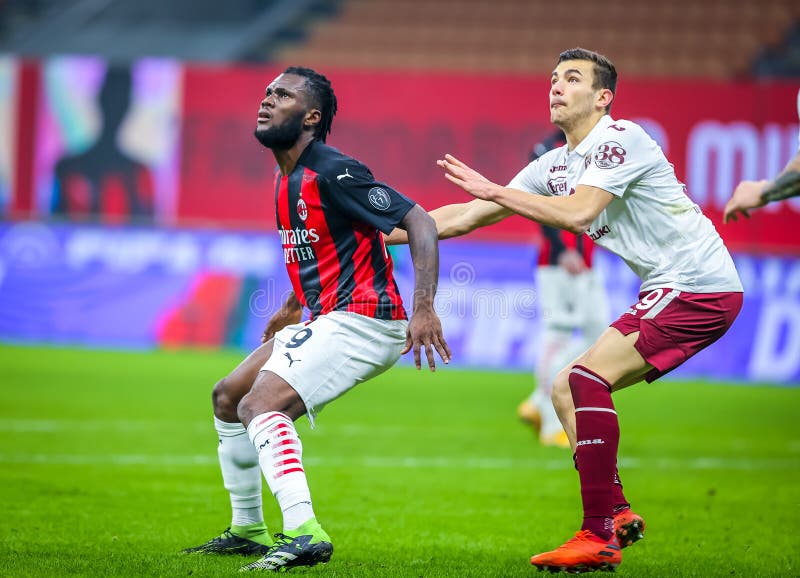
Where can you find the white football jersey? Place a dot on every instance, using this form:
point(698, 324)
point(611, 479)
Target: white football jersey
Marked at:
point(652, 224)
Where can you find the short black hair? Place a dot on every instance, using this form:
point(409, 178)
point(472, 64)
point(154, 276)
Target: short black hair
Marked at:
point(605, 75)
point(322, 97)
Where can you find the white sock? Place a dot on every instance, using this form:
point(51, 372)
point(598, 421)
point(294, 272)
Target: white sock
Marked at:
point(280, 454)
point(241, 474)
point(551, 425)
point(538, 396)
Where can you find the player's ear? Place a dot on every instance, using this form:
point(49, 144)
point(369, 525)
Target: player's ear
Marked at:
point(312, 119)
point(605, 98)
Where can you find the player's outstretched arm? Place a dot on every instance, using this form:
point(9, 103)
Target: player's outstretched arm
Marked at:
point(457, 219)
point(290, 312)
point(424, 327)
point(573, 213)
point(751, 195)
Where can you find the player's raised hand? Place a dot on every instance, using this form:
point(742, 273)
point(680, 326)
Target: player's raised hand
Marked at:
point(291, 312)
point(746, 196)
point(425, 331)
point(465, 177)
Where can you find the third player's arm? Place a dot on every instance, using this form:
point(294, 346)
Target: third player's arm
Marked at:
point(750, 195)
point(786, 185)
point(458, 219)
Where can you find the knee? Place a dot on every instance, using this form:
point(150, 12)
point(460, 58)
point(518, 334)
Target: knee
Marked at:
point(245, 410)
point(224, 401)
point(561, 395)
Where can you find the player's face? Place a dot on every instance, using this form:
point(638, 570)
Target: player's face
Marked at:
point(572, 98)
point(282, 112)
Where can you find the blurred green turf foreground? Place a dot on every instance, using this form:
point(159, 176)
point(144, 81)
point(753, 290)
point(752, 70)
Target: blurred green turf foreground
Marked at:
point(108, 468)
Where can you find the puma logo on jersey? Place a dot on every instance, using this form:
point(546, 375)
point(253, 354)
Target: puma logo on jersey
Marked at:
point(346, 175)
point(289, 357)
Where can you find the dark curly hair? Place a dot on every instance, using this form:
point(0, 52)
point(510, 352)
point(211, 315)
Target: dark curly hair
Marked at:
point(321, 95)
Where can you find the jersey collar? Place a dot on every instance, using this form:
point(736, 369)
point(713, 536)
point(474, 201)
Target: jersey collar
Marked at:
point(588, 143)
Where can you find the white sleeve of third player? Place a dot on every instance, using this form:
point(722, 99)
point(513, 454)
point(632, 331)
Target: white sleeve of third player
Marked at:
point(531, 179)
point(624, 153)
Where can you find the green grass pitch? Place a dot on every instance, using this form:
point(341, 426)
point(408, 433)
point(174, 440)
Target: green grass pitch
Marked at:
point(108, 468)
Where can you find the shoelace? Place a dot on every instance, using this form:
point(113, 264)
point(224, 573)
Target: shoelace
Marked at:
point(280, 540)
point(582, 536)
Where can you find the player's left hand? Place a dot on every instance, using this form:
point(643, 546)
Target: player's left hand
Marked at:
point(425, 330)
point(288, 314)
point(467, 178)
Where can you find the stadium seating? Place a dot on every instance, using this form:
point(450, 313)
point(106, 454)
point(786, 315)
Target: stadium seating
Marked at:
point(681, 38)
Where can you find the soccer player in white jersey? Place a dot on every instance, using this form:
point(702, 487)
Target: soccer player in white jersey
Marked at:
point(622, 192)
point(751, 195)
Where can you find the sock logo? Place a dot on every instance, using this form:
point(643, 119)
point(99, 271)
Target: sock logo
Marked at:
point(595, 441)
point(289, 357)
point(262, 446)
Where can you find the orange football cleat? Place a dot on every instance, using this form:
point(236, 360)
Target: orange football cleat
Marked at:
point(583, 553)
point(558, 440)
point(529, 413)
point(629, 527)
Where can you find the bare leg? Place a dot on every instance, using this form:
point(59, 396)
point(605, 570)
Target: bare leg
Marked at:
point(612, 356)
point(230, 390)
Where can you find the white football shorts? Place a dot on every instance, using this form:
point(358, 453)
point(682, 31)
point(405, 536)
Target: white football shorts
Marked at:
point(323, 359)
point(568, 302)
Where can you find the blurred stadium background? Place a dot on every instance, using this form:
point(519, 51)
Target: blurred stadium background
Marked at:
point(136, 212)
point(136, 207)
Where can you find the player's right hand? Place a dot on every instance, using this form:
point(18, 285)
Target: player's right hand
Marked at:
point(425, 330)
point(746, 196)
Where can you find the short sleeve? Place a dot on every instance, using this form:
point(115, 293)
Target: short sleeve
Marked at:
point(354, 190)
point(531, 179)
point(624, 153)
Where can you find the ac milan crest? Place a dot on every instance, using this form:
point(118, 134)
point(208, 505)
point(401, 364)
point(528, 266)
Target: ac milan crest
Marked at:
point(302, 209)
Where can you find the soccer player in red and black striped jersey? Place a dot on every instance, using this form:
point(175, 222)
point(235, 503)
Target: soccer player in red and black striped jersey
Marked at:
point(331, 215)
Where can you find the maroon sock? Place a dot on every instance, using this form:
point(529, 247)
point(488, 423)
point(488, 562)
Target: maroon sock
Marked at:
point(598, 439)
point(620, 503)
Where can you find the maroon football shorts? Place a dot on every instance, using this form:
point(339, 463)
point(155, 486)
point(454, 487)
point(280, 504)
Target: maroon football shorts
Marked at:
point(674, 325)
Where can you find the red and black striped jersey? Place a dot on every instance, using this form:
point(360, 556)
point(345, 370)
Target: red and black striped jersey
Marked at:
point(556, 241)
point(330, 213)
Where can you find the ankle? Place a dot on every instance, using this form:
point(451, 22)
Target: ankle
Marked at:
point(249, 530)
point(601, 527)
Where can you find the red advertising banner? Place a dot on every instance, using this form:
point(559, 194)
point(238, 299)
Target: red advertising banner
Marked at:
point(715, 133)
point(192, 127)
